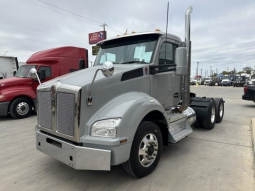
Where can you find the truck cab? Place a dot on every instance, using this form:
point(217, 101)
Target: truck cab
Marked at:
point(207, 81)
point(123, 110)
point(18, 94)
point(239, 81)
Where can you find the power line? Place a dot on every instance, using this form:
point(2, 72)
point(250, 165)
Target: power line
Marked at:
point(69, 12)
point(75, 14)
point(39, 30)
point(56, 11)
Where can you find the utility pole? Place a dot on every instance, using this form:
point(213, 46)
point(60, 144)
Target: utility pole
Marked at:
point(103, 25)
point(201, 72)
point(211, 71)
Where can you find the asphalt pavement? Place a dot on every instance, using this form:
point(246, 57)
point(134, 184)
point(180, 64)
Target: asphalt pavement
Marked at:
point(207, 160)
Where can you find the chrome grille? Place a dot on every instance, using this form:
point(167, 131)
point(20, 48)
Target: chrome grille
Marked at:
point(44, 109)
point(65, 113)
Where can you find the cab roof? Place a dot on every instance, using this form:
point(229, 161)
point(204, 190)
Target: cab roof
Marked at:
point(160, 33)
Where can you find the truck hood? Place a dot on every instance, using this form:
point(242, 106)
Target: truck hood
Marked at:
point(85, 76)
point(15, 81)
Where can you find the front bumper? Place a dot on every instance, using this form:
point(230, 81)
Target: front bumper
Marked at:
point(78, 157)
point(4, 108)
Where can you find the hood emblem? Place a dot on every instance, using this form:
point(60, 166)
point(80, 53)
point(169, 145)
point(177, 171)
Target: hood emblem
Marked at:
point(2, 84)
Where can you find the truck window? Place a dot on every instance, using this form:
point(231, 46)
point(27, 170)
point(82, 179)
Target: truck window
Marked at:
point(128, 50)
point(108, 57)
point(167, 53)
point(23, 71)
point(47, 70)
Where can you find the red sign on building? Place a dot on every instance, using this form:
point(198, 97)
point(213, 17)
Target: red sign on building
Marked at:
point(96, 37)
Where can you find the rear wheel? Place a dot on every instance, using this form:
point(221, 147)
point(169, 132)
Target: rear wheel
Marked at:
point(146, 150)
point(20, 108)
point(209, 121)
point(219, 109)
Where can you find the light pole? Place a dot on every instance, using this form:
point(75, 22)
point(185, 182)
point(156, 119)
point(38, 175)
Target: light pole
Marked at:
point(211, 71)
point(197, 69)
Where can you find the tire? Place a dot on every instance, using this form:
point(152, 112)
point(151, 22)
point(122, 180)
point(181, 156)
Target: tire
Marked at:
point(144, 159)
point(209, 121)
point(219, 109)
point(20, 108)
point(198, 123)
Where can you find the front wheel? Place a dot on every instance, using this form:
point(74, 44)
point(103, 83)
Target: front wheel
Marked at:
point(20, 108)
point(146, 150)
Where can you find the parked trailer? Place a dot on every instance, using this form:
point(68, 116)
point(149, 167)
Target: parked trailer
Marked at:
point(8, 66)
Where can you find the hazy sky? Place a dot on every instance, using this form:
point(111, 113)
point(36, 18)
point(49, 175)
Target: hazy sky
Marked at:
point(222, 31)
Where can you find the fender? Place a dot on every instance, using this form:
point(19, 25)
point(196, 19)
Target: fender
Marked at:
point(200, 106)
point(11, 93)
point(127, 107)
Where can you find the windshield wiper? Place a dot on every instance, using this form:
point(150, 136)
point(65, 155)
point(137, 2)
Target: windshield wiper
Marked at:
point(134, 61)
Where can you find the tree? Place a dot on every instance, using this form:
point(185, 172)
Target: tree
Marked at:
point(247, 70)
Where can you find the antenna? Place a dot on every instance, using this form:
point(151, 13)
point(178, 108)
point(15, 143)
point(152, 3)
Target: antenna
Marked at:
point(166, 29)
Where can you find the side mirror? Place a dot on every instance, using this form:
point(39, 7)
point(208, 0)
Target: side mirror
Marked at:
point(33, 74)
point(107, 69)
point(181, 61)
point(42, 75)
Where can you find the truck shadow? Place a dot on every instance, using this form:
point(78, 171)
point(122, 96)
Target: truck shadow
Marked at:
point(9, 117)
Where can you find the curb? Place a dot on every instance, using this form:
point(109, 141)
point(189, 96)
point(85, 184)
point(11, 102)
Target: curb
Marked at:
point(253, 135)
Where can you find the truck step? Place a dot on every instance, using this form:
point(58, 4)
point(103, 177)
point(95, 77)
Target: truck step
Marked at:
point(180, 135)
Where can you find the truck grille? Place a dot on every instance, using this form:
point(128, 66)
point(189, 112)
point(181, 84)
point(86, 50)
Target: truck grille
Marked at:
point(66, 113)
point(44, 109)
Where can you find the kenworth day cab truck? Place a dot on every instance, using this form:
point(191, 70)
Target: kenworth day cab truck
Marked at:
point(18, 94)
point(8, 66)
point(90, 122)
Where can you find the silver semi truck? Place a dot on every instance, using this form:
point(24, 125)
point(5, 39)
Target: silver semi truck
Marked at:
point(123, 110)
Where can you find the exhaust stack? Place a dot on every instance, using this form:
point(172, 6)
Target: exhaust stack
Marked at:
point(186, 82)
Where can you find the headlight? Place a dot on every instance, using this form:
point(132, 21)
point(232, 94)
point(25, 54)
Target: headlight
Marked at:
point(105, 128)
point(1, 96)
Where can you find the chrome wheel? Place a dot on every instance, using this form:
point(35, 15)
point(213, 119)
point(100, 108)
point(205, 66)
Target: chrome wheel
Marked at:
point(213, 114)
point(22, 108)
point(148, 150)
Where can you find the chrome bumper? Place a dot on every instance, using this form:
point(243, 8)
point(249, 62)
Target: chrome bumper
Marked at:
point(78, 157)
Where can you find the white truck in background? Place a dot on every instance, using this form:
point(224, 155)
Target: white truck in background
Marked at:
point(8, 66)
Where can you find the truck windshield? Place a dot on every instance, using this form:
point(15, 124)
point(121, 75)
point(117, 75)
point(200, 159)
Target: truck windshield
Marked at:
point(128, 50)
point(23, 71)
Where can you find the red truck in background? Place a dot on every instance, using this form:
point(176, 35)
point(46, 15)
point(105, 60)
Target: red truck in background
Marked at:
point(18, 94)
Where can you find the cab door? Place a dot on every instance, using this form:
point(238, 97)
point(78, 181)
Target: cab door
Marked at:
point(165, 85)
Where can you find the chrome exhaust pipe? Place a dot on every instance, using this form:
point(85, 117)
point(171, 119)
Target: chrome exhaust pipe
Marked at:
point(186, 81)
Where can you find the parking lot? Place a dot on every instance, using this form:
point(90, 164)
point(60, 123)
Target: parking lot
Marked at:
point(218, 159)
